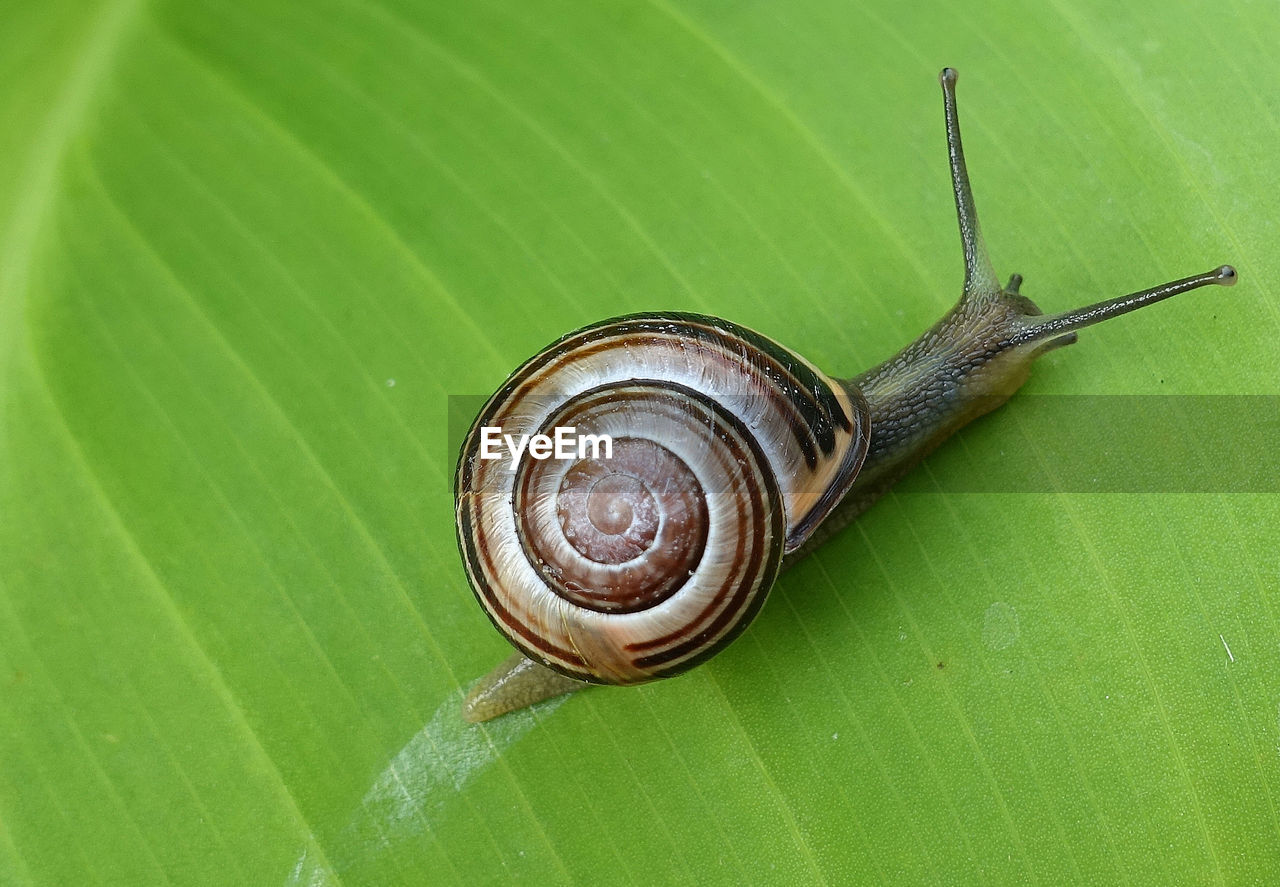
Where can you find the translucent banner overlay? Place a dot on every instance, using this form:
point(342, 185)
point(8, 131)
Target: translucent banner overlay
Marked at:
point(1083, 444)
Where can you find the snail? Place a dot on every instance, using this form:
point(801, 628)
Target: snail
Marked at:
point(730, 455)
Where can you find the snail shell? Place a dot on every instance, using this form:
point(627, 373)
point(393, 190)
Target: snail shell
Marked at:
point(728, 450)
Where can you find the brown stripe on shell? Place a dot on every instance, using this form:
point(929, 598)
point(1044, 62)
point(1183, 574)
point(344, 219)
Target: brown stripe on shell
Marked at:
point(534, 644)
point(681, 563)
point(754, 493)
point(854, 455)
point(817, 408)
point(761, 489)
point(809, 426)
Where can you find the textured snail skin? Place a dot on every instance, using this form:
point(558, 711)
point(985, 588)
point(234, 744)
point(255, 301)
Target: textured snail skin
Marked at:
point(831, 448)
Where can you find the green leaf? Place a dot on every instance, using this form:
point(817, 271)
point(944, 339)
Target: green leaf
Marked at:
point(250, 251)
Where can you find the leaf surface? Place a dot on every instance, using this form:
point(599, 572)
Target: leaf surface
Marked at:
point(251, 251)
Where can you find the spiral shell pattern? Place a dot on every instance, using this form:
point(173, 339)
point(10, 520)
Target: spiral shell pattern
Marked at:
point(728, 451)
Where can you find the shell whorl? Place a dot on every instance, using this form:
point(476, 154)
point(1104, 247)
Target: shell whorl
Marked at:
point(728, 450)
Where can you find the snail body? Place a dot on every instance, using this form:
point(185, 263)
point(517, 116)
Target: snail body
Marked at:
point(730, 454)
